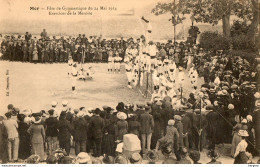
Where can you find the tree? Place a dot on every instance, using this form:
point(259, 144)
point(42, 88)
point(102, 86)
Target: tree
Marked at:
point(213, 11)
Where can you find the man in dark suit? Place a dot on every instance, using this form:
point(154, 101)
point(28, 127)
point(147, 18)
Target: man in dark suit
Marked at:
point(147, 125)
point(97, 124)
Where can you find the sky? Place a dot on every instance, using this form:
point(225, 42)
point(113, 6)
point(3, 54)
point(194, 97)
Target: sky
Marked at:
point(16, 17)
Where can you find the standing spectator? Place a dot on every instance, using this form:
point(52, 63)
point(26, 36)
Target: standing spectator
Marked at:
point(80, 132)
point(133, 125)
point(3, 142)
point(35, 54)
point(43, 34)
point(24, 137)
point(147, 125)
point(121, 125)
point(179, 126)
point(13, 138)
point(36, 130)
point(65, 131)
point(25, 52)
point(30, 51)
point(51, 132)
point(97, 124)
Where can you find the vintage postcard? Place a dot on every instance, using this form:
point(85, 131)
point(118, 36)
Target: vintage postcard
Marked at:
point(129, 82)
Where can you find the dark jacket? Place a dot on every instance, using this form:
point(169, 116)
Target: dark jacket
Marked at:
point(65, 130)
point(147, 123)
point(51, 127)
point(97, 123)
point(79, 129)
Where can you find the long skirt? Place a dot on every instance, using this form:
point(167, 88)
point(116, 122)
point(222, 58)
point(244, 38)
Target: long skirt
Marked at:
point(236, 139)
point(38, 149)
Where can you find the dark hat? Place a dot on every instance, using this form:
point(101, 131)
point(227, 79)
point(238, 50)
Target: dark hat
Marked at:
point(195, 155)
point(8, 114)
point(51, 159)
point(152, 156)
point(38, 114)
point(167, 149)
point(66, 160)
point(108, 160)
point(97, 111)
point(147, 108)
point(10, 107)
point(63, 114)
point(120, 159)
point(51, 111)
point(213, 154)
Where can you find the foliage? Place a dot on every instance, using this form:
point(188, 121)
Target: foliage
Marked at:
point(249, 56)
point(207, 11)
point(242, 42)
point(214, 41)
point(239, 28)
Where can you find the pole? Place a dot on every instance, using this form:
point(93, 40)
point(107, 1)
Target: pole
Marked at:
point(181, 95)
point(146, 91)
point(174, 22)
point(7, 82)
point(200, 125)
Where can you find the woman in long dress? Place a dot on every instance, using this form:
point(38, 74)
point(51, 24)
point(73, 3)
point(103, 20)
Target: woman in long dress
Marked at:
point(121, 126)
point(35, 54)
point(24, 145)
point(37, 133)
point(236, 138)
point(240, 154)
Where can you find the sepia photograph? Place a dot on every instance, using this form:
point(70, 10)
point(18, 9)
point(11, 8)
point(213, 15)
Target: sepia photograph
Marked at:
point(129, 82)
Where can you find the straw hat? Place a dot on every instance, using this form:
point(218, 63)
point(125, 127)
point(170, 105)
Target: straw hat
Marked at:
point(83, 158)
point(121, 115)
point(171, 122)
point(136, 158)
point(243, 133)
point(231, 106)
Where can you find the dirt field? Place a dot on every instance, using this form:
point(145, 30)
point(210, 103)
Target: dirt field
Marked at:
point(36, 85)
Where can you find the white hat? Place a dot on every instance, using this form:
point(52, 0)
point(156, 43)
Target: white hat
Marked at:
point(231, 106)
point(83, 158)
point(27, 120)
point(121, 115)
point(249, 118)
point(54, 103)
point(244, 121)
point(243, 133)
point(64, 108)
point(171, 122)
point(64, 102)
point(257, 95)
point(80, 114)
point(26, 112)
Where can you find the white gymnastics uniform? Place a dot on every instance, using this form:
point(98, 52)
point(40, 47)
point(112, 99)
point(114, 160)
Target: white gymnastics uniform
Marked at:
point(74, 73)
point(117, 61)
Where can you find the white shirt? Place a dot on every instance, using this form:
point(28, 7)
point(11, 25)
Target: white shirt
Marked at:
point(241, 147)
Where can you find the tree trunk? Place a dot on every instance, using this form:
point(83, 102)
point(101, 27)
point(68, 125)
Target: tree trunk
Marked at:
point(226, 25)
point(253, 26)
